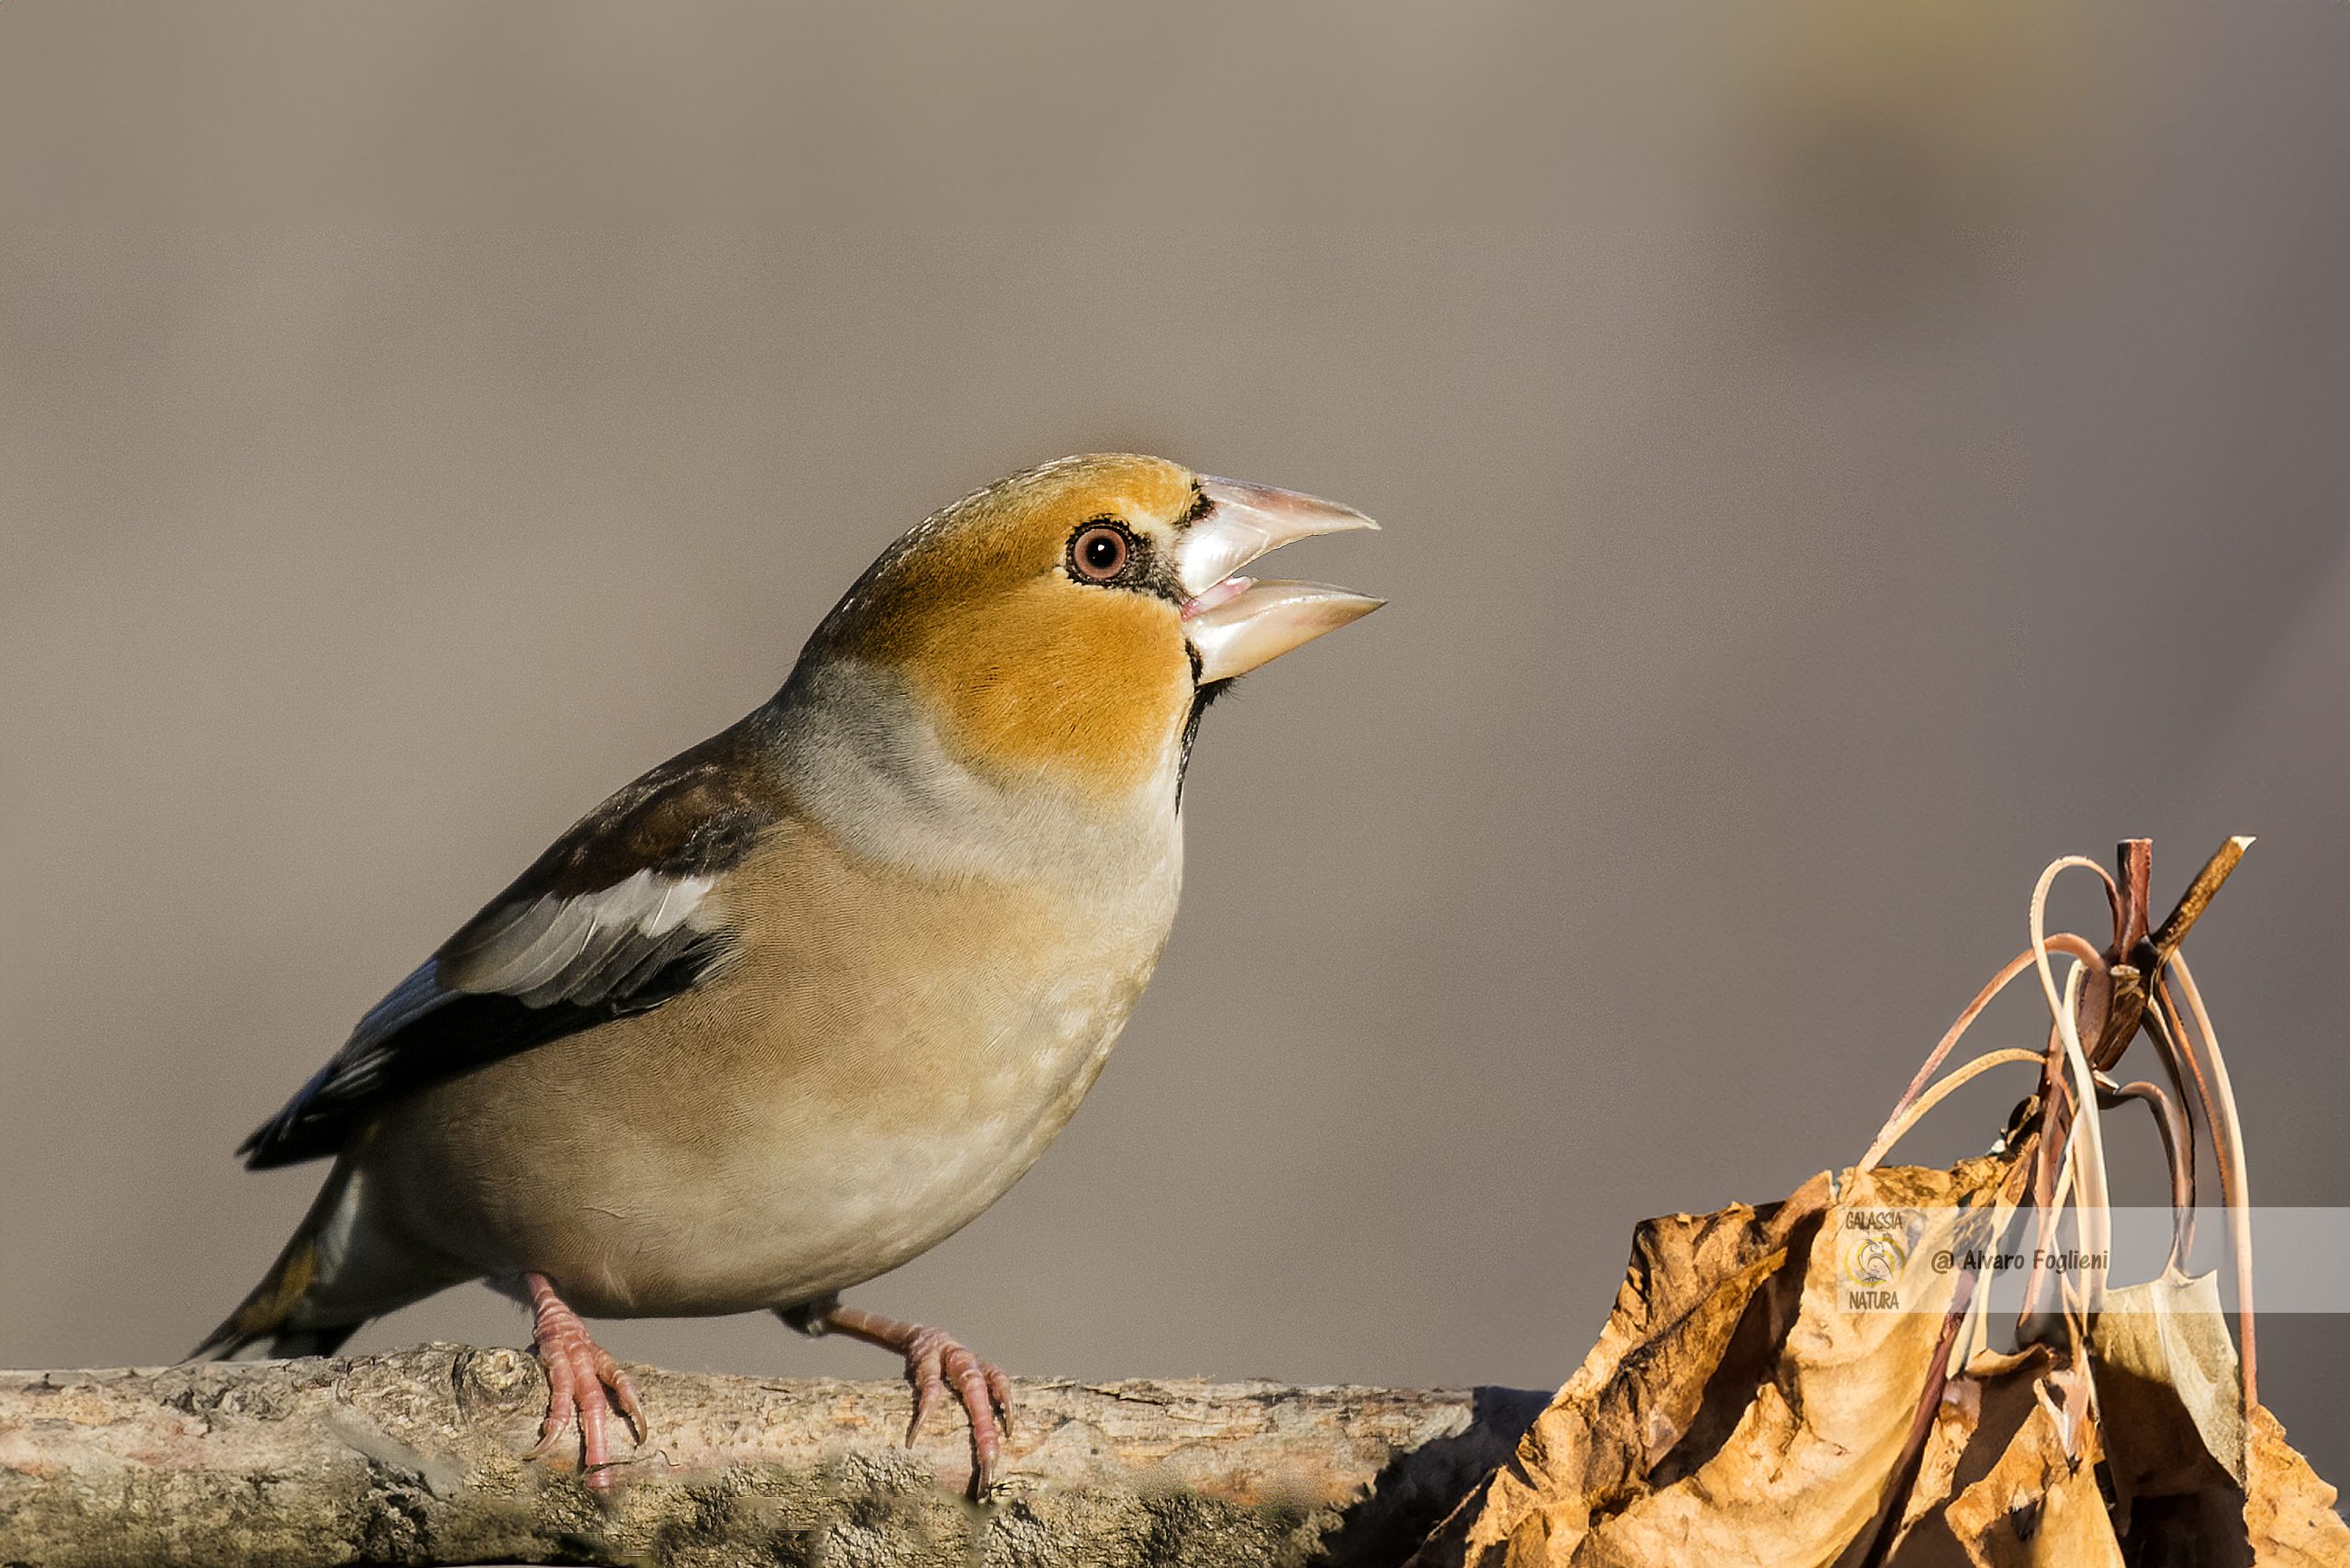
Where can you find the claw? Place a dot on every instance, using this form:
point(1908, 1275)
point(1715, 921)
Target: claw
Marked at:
point(578, 1372)
point(1000, 1396)
point(937, 1364)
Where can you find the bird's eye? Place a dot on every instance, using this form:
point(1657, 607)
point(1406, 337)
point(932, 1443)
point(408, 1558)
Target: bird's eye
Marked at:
point(1100, 552)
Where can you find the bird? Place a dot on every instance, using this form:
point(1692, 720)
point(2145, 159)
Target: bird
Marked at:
point(800, 1003)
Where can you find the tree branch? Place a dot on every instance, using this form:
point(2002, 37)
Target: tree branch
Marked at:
point(416, 1458)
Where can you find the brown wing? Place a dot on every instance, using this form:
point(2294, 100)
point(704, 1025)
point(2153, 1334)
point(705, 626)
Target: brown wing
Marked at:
point(614, 919)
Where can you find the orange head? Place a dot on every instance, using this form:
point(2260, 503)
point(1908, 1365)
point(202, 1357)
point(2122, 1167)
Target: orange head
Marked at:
point(1064, 625)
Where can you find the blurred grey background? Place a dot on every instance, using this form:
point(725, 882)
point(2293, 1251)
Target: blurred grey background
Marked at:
point(1835, 458)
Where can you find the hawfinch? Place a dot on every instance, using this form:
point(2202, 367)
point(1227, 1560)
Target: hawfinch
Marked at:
point(798, 1004)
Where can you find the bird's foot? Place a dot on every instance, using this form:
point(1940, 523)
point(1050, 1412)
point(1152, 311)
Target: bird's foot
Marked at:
point(578, 1372)
point(936, 1362)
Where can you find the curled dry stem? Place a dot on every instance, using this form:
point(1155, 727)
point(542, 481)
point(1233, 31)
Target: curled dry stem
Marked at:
point(2233, 1172)
point(1912, 1113)
point(2095, 1198)
point(2064, 942)
point(2065, 1010)
point(2051, 1170)
point(2172, 1125)
point(2185, 1075)
point(2053, 1191)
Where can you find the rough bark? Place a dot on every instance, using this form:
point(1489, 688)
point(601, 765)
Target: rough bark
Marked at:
point(418, 1458)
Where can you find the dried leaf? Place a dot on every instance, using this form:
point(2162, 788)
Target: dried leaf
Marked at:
point(1691, 1282)
point(2038, 1506)
point(2288, 1513)
point(1809, 1463)
point(2002, 1401)
point(1956, 1414)
point(2169, 1387)
point(1990, 1366)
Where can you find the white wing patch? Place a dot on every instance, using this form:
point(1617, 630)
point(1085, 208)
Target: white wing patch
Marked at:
point(577, 949)
point(586, 951)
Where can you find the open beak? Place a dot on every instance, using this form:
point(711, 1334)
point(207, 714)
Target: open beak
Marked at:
point(1235, 623)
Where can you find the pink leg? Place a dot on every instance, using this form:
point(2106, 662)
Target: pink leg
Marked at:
point(579, 1371)
point(934, 1360)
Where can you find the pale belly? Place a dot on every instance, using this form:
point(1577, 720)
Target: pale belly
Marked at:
point(774, 1141)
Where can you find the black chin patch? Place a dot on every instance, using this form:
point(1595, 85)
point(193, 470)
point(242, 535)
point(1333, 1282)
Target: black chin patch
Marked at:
point(1201, 695)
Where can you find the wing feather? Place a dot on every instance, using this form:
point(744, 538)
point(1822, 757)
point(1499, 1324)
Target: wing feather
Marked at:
point(616, 918)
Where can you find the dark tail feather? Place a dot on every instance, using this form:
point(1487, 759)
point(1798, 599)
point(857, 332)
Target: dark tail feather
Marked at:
point(267, 1322)
point(231, 1343)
